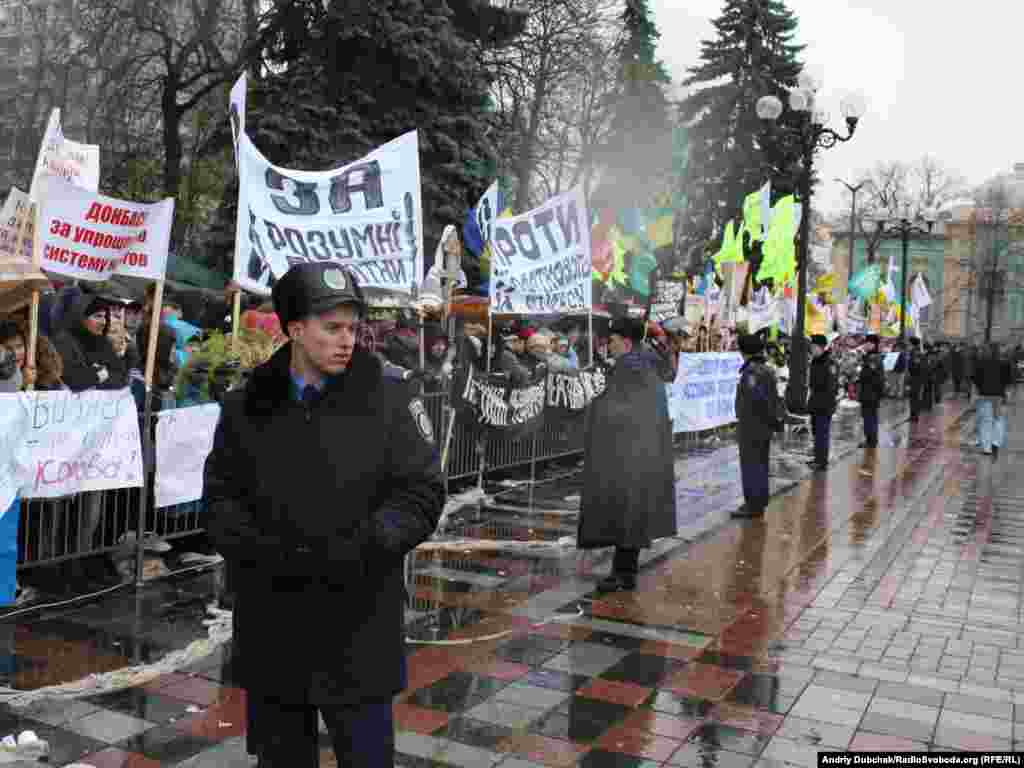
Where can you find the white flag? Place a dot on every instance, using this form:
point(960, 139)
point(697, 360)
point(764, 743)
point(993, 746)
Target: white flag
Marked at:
point(920, 294)
point(78, 164)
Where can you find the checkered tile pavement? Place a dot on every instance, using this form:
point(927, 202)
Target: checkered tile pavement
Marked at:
point(876, 608)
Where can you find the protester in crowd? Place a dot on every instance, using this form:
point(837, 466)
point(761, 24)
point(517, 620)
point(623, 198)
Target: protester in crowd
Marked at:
point(939, 373)
point(577, 347)
point(957, 365)
point(49, 367)
point(993, 377)
point(357, 442)
point(917, 371)
point(165, 370)
point(759, 414)
point(90, 359)
point(822, 400)
point(11, 379)
point(871, 390)
point(628, 477)
point(542, 346)
point(511, 363)
point(217, 315)
point(928, 376)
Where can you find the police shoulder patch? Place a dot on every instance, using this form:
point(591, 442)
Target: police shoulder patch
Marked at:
point(421, 420)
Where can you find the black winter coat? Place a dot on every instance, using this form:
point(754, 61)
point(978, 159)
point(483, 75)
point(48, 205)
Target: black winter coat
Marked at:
point(917, 369)
point(992, 376)
point(871, 384)
point(629, 496)
point(316, 506)
point(822, 400)
point(82, 351)
point(759, 409)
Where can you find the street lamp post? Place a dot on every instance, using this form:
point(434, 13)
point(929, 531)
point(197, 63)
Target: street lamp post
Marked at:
point(854, 189)
point(905, 227)
point(811, 134)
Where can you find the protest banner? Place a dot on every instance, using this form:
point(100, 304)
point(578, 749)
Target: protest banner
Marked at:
point(541, 262)
point(668, 298)
point(77, 164)
point(703, 395)
point(184, 438)
point(765, 314)
point(15, 218)
point(88, 236)
point(366, 216)
point(61, 443)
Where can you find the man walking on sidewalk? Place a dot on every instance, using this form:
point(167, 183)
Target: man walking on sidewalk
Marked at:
point(916, 374)
point(821, 403)
point(870, 390)
point(759, 413)
point(993, 377)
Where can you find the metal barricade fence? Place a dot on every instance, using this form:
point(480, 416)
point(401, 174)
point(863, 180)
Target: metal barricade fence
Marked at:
point(98, 522)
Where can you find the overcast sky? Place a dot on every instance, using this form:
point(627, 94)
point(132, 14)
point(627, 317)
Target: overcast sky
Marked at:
point(939, 78)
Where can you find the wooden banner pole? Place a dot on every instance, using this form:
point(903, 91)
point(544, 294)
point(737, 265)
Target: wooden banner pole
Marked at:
point(236, 320)
point(148, 454)
point(28, 217)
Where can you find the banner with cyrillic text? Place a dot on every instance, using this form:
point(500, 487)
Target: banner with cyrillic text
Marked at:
point(87, 236)
point(184, 438)
point(703, 395)
point(78, 164)
point(15, 220)
point(366, 216)
point(60, 443)
point(540, 261)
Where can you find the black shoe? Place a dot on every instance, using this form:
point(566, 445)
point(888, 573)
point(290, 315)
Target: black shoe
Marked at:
point(747, 512)
point(995, 451)
point(617, 582)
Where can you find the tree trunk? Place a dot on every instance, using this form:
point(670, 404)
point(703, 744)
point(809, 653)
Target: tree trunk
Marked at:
point(524, 171)
point(173, 151)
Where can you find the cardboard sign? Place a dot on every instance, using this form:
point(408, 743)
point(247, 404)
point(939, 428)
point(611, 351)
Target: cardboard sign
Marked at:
point(703, 396)
point(184, 439)
point(61, 443)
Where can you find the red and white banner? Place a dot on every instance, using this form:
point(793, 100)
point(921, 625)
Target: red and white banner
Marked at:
point(88, 236)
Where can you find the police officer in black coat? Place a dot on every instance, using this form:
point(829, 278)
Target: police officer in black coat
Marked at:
point(871, 390)
point(324, 474)
point(823, 399)
point(759, 414)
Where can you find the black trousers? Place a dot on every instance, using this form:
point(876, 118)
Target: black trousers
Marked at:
point(821, 426)
point(626, 561)
point(870, 414)
point(755, 462)
point(288, 734)
point(916, 396)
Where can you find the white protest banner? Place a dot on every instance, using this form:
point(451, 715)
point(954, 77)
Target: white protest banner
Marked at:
point(366, 216)
point(667, 300)
point(540, 261)
point(889, 361)
point(184, 438)
point(61, 443)
point(16, 266)
point(78, 164)
point(703, 396)
point(88, 236)
point(236, 110)
point(763, 315)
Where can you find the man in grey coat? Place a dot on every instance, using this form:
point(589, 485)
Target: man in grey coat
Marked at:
point(628, 478)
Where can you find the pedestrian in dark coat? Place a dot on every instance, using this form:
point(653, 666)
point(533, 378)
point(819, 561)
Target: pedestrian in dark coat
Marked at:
point(323, 476)
point(917, 371)
point(939, 373)
point(823, 399)
point(957, 366)
point(993, 376)
point(871, 390)
point(759, 414)
point(629, 495)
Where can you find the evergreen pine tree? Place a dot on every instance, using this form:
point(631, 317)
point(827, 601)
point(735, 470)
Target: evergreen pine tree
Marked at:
point(639, 149)
point(350, 75)
point(732, 153)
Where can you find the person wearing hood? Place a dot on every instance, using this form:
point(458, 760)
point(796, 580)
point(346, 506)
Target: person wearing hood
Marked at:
point(629, 497)
point(90, 360)
point(759, 414)
point(871, 390)
point(822, 400)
